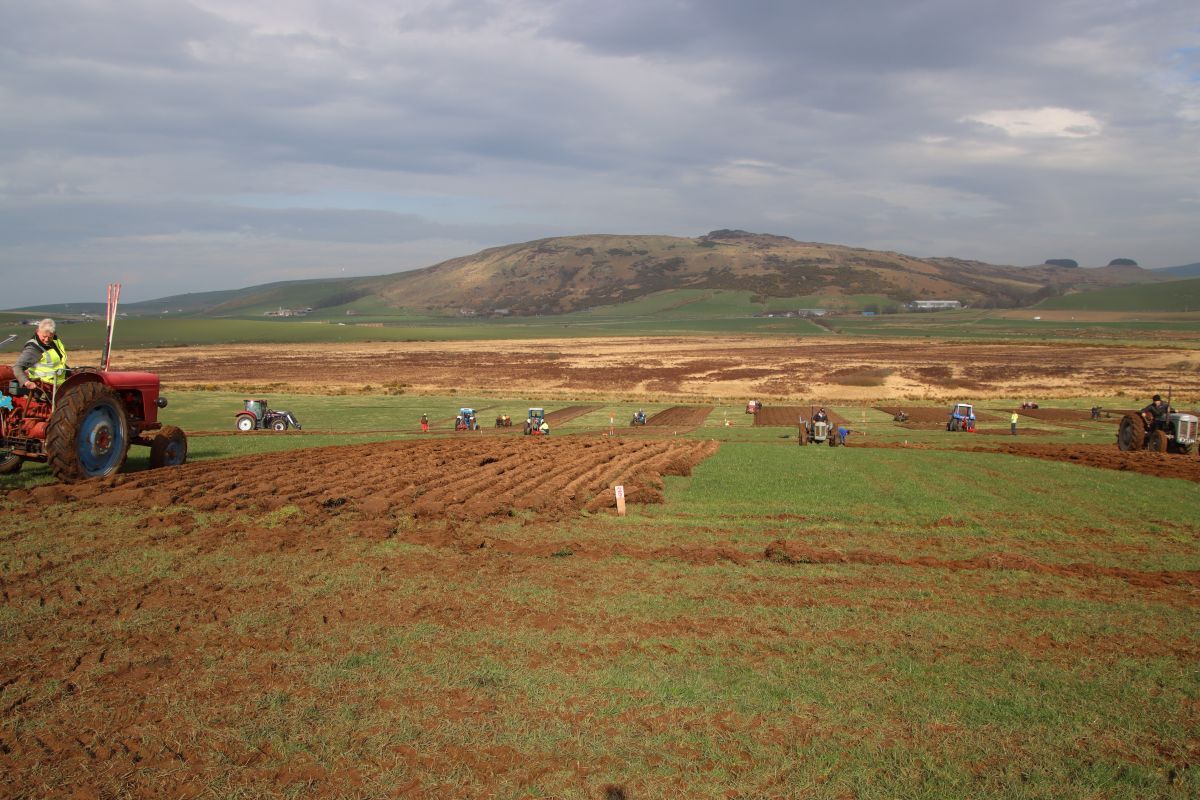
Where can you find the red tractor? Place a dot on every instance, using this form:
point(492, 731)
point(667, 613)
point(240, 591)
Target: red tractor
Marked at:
point(84, 426)
point(257, 415)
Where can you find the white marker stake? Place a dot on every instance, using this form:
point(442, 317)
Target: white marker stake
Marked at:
point(619, 490)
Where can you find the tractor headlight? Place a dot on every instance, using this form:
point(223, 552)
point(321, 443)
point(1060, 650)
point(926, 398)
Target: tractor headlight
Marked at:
point(161, 402)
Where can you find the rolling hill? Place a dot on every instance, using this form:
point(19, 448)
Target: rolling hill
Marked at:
point(1184, 271)
point(554, 276)
point(575, 273)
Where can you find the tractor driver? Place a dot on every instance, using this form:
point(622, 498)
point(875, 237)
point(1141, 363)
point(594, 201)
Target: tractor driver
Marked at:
point(1158, 412)
point(44, 358)
point(820, 416)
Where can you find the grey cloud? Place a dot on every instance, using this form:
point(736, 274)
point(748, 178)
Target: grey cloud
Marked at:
point(489, 121)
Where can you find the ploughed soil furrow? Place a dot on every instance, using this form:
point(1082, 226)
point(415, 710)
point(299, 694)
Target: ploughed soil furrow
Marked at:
point(680, 417)
point(615, 460)
point(794, 552)
point(463, 479)
point(1056, 414)
point(1162, 465)
point(1101, 456)
point(567, 414)
point(789, 416)
point(626, 466)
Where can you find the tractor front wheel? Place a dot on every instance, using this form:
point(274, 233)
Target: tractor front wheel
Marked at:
point(10, 464)
point(88, 435)
point(245, 423)
point(169, 448)
point(279, 425)
point(1158, 442)
point(1131, 433)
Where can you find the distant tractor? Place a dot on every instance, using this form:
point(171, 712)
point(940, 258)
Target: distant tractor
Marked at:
point(465, 421)
point(639, 418)
point(503, 421)
point(534, 421)
point(1138, 432)
point(819, 431)
point(962, 418)
point(753, 406)
point(900, 416)
point(259, 416)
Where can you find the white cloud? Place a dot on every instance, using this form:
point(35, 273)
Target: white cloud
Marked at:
point(1041, 122)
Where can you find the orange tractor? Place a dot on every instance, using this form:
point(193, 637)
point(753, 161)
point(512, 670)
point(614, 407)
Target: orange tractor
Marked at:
point(83, 427)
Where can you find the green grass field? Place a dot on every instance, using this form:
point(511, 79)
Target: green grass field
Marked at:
point(679, 312)
point(944, 629)
point(1181, 295)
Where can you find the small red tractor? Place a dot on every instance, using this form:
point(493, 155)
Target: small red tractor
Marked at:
point(257, 415)
point(753, 406)
point(503, 421)
point(83, 427)
point(1177, 435)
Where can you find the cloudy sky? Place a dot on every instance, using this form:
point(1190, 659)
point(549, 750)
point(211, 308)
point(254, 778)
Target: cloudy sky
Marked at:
point(211, 144)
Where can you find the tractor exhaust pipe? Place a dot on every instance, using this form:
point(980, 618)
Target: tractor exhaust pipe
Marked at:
point(110, 322)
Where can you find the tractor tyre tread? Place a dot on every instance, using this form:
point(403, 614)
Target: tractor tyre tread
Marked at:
point(1131, 432)
point(63, 434)
point(10, 464)
point(159, 447)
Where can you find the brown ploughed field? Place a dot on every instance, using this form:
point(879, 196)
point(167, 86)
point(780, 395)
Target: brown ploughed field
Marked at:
point(698, 367)
point(680, 417)
point(567, 414)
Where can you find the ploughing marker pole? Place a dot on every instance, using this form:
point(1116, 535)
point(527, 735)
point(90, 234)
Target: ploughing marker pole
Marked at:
point(110, 322)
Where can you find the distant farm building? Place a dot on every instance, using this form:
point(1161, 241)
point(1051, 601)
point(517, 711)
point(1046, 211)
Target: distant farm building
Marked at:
point(798, 312)
point(934, 305)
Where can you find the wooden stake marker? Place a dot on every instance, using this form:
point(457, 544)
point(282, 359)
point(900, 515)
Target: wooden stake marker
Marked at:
point(619, 491)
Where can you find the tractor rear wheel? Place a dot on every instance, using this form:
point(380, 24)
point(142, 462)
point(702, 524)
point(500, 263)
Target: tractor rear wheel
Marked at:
point(802, 437)
point(10, 464)
point(169, 448)
point(88, 434)
point(245, 423)
point(1158, 442)
point(1131, 433)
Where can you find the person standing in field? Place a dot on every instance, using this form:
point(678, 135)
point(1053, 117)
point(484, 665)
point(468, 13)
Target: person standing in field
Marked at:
point(1012, 424)
point(424, 423)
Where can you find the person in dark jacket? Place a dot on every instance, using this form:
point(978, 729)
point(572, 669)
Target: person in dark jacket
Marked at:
point(1158, 412)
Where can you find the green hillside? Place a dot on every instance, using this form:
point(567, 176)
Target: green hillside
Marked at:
point(1183, 271)
point(1170, 296)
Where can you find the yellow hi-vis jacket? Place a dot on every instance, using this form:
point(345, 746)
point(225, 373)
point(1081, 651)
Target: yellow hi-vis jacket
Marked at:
point(52, 367)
